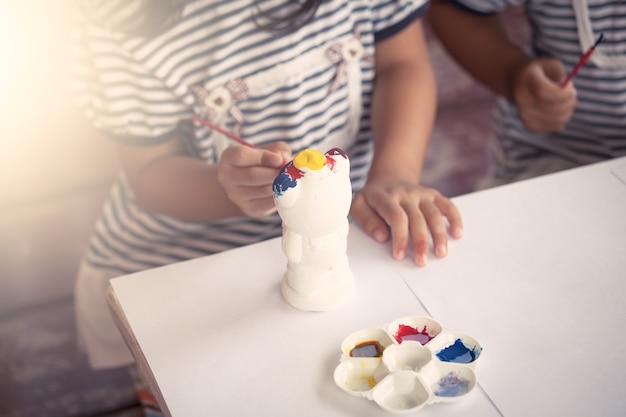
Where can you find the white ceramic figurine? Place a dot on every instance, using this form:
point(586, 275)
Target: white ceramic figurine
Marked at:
point(313, 194)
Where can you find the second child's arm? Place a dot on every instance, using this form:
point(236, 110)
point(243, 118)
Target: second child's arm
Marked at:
point(479, 44)
point(482, 47)
point(393, 205)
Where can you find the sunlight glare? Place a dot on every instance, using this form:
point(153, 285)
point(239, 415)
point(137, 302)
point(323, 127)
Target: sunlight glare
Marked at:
point(11, 54)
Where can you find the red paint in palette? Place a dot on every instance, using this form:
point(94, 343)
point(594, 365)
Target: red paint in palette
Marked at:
point(405, 332)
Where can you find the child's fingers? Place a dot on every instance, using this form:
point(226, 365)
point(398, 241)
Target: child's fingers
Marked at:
point(242, 156)
point(255, 176)
point(259, 207)
point(543, 80)
point(368, 220)
point(281, 148)
point(242, 166)
point(437, 226)
point(554, 70)
point(252, 192)
point(410, 215)
point(452, 213)
point(272, 159)
point(245, 157)
point(397, 220)
point(418, 228)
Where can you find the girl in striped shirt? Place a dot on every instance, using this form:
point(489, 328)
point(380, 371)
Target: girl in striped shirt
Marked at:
point(283, 75)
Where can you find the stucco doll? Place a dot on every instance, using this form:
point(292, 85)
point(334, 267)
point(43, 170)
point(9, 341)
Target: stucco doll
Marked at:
point(313, 194)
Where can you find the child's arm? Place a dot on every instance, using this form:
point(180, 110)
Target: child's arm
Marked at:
point(392, 203)
point(479, 44)
point(167, 181)
point(482, 47)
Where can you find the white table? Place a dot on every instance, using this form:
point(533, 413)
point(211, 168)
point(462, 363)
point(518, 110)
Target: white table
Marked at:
point(538, 279)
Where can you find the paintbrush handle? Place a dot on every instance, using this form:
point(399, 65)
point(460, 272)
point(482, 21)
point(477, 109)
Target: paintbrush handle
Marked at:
point(222, 131)
point(581, 62)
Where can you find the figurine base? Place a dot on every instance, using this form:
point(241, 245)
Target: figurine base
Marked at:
point(327, 299)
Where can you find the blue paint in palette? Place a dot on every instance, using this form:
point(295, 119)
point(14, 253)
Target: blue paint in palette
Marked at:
point(458, 353)
point(452, 385)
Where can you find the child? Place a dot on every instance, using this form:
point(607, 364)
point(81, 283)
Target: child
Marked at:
point(541, 125)
point(284, 76)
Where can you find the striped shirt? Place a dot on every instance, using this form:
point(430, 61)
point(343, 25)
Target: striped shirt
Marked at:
point(311, 88)
point(565, 29)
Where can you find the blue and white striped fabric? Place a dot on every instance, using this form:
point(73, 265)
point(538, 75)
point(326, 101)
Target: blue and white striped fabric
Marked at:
point(565, 29)
point(308, 88)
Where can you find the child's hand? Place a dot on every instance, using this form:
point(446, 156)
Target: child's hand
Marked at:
point(247, 174)
point(404, 211)
point(542, 104)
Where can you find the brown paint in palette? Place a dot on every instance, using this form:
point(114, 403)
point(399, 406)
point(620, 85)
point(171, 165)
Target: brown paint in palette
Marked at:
point(369, 349)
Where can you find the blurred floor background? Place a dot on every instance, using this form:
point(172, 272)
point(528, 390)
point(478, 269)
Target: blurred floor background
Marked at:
point(55, 171)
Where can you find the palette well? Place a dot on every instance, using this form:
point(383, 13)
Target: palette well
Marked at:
point(407, 364)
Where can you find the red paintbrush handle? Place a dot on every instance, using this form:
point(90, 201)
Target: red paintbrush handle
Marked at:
point(222, 131)
point(582, 61)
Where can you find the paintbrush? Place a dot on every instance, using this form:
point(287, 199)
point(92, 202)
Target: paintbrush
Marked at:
point(582, 61)
point(222, 131)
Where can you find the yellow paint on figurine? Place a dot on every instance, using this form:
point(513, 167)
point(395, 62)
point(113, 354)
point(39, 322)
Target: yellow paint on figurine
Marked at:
point(309, 158)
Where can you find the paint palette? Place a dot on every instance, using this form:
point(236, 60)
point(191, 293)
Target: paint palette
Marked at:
point(407, 364)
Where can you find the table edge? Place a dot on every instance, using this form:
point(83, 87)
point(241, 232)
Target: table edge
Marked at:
point(131, 341)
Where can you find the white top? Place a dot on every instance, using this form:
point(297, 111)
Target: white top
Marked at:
point(537, 280)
